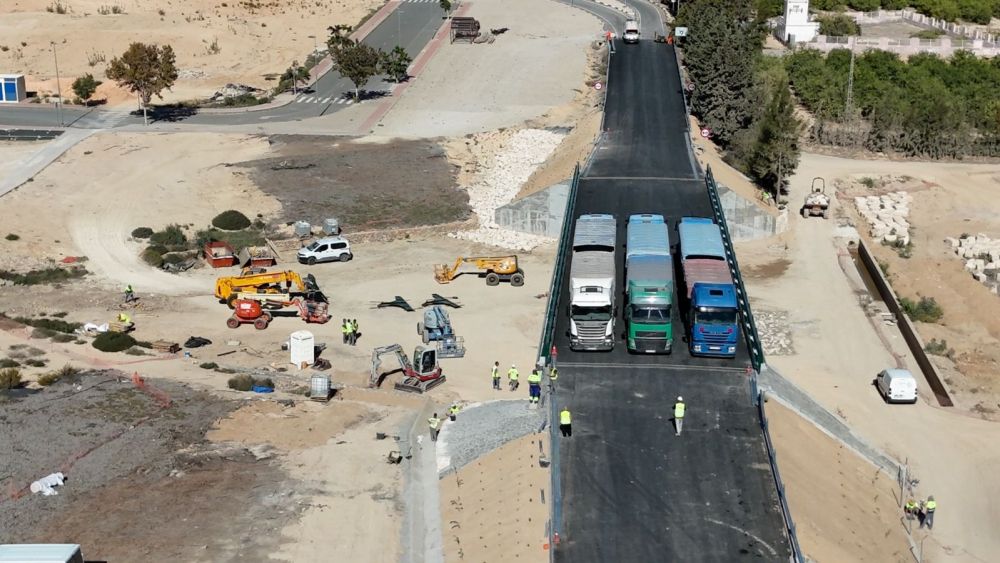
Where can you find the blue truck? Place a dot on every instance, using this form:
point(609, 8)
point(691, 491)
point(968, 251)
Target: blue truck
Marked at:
point(713, 315)
point(649, 285)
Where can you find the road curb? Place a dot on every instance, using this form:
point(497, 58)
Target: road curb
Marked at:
point(415, 68)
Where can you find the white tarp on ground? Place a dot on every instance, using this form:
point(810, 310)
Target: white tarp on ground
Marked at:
point(45, 484)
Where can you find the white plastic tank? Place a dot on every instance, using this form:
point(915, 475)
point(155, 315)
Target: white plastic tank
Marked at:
point(303, 228)
point(331, 226)
point(301, 347)
point(319, 387)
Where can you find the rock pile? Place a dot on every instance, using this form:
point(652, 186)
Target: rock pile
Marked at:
point(887, 216)
point(982, 257)
point(499, 183)
point(775, 332)
point(235, 91)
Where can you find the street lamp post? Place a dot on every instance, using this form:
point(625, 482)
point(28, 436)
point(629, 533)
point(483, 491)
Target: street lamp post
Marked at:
point(58, 86)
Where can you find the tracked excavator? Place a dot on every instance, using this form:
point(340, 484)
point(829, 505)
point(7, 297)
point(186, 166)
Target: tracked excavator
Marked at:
point(421, 376)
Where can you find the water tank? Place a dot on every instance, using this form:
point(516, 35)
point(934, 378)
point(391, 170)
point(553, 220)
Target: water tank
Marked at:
point(319, 387)
point(303, 228)
point(331, 226)
point(301, 348)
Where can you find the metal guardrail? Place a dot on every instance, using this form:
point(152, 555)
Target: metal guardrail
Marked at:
point(743, 299)
point(772, 456)
point(29, 134)
point(544, 349)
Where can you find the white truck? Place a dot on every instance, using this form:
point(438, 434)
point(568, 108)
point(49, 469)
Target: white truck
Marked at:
point(631, 34)
point(592, 283)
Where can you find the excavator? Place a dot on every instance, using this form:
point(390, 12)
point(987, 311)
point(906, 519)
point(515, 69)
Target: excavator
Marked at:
point(494, 268)
point(263, 285)
point(421, 376)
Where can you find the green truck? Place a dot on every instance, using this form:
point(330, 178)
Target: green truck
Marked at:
point(649, 285)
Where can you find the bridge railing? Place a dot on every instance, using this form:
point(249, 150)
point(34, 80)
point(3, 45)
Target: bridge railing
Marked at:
point(545, 351)
point(772, 456)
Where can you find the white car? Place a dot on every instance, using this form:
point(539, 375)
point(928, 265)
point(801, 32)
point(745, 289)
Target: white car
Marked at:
point(329, 249)
point(631, 34)
point(896, 386)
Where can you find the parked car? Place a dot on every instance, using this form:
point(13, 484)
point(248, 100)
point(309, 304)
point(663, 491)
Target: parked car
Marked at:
point(329, 249)
point(896, 386)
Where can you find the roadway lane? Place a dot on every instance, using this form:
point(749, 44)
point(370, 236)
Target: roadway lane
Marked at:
point(631, 490)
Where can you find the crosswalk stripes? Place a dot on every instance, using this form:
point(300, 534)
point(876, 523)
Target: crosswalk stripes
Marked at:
point(342, 100)
point(421, 1)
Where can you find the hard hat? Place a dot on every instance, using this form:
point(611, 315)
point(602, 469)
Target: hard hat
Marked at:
point(679, 398)
point(513, 366)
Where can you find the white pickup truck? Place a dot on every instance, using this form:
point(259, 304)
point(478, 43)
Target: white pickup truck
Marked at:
point(631, 34)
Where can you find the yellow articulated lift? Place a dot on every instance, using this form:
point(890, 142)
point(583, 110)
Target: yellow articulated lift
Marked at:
point(494, 268)
point(262, 286)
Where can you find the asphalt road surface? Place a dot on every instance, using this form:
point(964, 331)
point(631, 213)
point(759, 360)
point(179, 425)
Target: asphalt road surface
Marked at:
point(631, 490)
point(411, 25)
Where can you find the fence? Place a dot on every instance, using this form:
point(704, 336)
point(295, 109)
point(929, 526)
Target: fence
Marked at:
point(944, 47)
point(905, 326)
point(911, 15)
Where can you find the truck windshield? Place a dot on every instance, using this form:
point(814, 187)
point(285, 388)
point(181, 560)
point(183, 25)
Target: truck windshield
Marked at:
point(715, 316)
point(650, 315)
point(591, 313)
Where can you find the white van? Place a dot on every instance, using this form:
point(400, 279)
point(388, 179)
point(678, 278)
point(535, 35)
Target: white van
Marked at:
point(897, 386)
point(631, 34)
point(329, 249)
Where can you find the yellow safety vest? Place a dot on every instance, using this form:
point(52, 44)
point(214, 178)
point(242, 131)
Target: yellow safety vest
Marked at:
point(495, 372)
point(434, 422)
point(534, 377)
point(512, 374)
point(345, 328)
point(910, 505)
point(679, 410)
point(564, 417)
point(553, 374)
point(931, 505)
point(354, 326)
point(124, 318)
point(453, 409)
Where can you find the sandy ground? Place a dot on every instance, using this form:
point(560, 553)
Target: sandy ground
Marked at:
point(495, 508)
point(254, 39)
point(528, 70)
point(951, 452)
point(844, 509)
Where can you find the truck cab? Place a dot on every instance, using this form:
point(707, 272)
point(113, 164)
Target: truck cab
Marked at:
point(714, 320)
point(631, 34)
point(592, 283)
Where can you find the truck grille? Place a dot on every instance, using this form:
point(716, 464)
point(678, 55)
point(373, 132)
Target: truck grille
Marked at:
point(649, 334)
point(651, 345)
point(591, 330)
point(716, 338)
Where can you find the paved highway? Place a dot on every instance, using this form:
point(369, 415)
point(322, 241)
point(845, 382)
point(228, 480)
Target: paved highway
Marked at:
point(632, 491)
point(411, 25)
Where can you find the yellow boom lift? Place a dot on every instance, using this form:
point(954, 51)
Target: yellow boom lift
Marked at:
point(264, 285)
point(494, 268)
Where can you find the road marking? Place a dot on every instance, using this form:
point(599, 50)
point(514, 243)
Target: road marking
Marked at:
point(641, 178)
point(349, 102)
point(326, 100)
point(299, 100)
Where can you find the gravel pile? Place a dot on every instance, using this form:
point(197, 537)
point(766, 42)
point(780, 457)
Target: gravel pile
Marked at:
point(499, 183)
point(775, 332)
point(484, 427)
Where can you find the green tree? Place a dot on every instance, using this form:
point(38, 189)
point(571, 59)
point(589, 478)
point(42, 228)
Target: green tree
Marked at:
point(864, 5)
point(145, 70)
point(395, 63)
point(339, 37)
point(838, 25)
point(724, 39)
point(768, 8)
point(358, 62)
point(293, 75)
point(775, 153)
point(445, 5)
point(85, 86)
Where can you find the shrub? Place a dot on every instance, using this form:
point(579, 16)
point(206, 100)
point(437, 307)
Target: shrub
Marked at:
point(61, 337)
point(8, 363)
point(113, 342)
point(938, 348)
point(209, 365)
point(172, 235)
point(10, 378)
point(838, 25)
point(231, 220)
point(135, 351)
point(39, 277)
point(142, 232)
point(926, 310)
point(36, 362)
point(47, 379)
point(152, 257)
point(56, 325)
point(241, 382)
point(12, 237)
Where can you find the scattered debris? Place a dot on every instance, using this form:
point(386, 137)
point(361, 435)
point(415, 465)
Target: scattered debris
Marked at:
point(775, 332)
point(196, 342)
point(438, 300)
point(235, 91)
point(45, 484)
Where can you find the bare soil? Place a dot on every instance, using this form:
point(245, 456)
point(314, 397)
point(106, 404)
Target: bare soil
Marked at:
point(366, 186)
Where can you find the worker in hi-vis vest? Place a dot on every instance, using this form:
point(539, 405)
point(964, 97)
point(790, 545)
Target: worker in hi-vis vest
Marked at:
point(495, 373)
point(678, 416)
point(435, 425)
point(565, 422)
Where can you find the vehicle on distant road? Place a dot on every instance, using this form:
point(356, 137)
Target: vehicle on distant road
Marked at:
point(896, 386)
point(631, 34)
point(329, 249)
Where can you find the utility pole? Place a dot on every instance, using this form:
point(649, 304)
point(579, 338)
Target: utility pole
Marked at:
point(58, 86)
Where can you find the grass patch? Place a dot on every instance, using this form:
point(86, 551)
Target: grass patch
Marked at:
point(939, 348)
point(53, 376)
point(208, 365)
point(8, 363)
point(237, 239)
point(927, 34)
point(35, 362)
point(248, 382)
point(10, 378)
point(56, 325)
point(135, 351)
point(42, 277)
point(12, 237)
point(113, 342)
point(926, 310)
point(172, 235)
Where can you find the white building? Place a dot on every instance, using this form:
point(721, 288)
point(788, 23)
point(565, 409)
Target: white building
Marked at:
point(796, 25)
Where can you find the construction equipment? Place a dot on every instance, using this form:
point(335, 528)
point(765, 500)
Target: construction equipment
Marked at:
point(494, 268)
point(419, 377)
point(436, 327)
point(255, 282)
point(246, 311)
point(817, 202)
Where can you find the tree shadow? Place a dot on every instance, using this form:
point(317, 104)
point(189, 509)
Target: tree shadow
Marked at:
point(167, 113)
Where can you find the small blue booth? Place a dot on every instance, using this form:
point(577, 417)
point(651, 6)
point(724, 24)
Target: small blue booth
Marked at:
point(12, 88)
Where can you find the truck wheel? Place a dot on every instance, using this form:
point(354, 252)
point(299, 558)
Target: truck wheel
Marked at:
point(420, 328)
point(492, 279)
point(233, 322)
point(425, 337)
point(311, 261)
point(826, 213)
point(805, 212)
point(261, 323)
point(517, 280)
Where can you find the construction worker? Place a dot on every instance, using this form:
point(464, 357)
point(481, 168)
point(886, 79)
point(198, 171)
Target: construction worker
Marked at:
point(124, 319)
point(435, 424)
point(565, 422)
point(129, 294)
point(354, 332)
point(678, 416)
point(345, 328)
point(535, 386)
point(496, 375)
point(512, 376)
point(929, 507)
point(453, 412)
point(553, 376)
point(607, 36)
point(910, 509)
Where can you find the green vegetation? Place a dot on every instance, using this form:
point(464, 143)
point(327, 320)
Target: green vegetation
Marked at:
point(838, 25)
point(172, 235)
point(926, 107)
point(113, 342)
point(395, 63)
point(10, 378)
point(55, 325)
point(939, 348)
point(247, 382)
point(926, 310)
point(142, 232)
point(208, 365)
point(231, 220)
point(977, 11)
point(740, 95)
point(927, 34)
point(85, 86)
point(237, 239)
point(145, 70)
point(9, 363)
point(12, 237)
point(152, 257)
point(46, 276)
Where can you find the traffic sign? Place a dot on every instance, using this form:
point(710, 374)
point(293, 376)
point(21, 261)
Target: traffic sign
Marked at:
point(680, 32)
point(598, 86)
point(706, 132)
